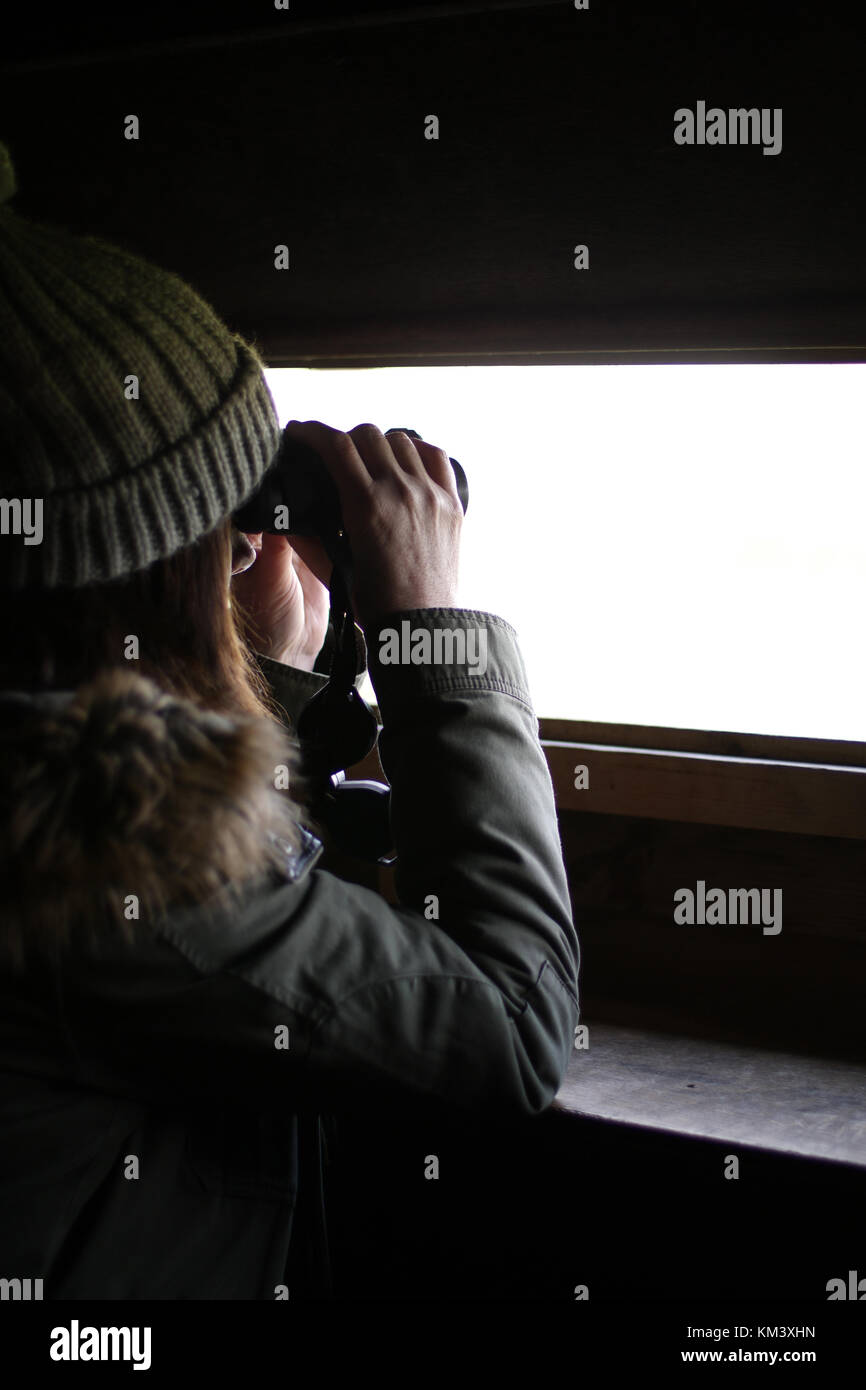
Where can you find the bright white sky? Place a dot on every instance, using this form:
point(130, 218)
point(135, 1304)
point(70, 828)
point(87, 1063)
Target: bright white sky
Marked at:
point(676, 545)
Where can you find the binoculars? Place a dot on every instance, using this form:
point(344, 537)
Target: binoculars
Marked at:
point(298, 496)
point(336, 729)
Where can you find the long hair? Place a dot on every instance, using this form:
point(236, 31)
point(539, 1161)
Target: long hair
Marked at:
point(192, 639)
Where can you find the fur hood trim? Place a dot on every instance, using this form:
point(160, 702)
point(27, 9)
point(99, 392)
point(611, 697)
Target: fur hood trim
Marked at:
point(120, 801)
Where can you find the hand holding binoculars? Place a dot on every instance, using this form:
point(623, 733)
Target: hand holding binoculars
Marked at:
point(298, 496)
point(336, 729)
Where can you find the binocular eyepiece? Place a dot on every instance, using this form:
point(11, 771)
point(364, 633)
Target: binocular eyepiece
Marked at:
point(297, 495)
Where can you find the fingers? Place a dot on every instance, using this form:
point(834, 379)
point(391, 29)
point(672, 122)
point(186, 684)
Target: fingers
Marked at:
point(380, 452)
point(438, 467)
point(364, 456)
point(423, 460)
point(339, 455)
point(353, 459)
point(405, 452)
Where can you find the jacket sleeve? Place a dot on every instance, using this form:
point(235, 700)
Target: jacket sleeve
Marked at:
point(466, 991)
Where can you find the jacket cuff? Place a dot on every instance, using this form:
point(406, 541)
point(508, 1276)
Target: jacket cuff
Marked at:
point(432, 651)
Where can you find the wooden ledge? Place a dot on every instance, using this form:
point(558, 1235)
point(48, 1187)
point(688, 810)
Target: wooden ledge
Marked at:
point(741, 1095)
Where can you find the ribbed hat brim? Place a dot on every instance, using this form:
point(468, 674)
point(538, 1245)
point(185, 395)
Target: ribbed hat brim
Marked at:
point(122, 482)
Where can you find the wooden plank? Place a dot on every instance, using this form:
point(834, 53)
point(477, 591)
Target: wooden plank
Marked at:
point(766, 747)
point(800, 798)
point(281, 352)
point(741, 1095)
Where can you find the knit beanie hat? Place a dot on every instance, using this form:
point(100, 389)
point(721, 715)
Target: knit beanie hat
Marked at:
point(132, 421)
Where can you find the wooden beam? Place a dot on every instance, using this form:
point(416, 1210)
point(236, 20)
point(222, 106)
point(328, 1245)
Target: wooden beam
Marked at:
point(800, 798)
point(771, 748)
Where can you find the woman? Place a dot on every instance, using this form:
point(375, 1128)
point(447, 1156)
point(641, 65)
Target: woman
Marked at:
point(183, 986)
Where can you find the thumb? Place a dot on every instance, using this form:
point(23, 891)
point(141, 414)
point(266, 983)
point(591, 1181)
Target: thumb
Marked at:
point(314, 556)
point(270, 578)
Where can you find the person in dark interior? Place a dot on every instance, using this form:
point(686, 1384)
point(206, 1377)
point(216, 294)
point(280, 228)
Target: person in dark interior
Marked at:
point(184, 990)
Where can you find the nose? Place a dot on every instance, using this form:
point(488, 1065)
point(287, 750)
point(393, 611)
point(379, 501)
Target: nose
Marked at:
point(243, 551)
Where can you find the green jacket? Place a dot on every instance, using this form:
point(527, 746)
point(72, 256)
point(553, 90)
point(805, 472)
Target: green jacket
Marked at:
point(207, 1051)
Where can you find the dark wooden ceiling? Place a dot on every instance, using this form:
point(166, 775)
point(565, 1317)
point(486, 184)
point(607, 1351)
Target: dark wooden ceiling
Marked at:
point(306, 127)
